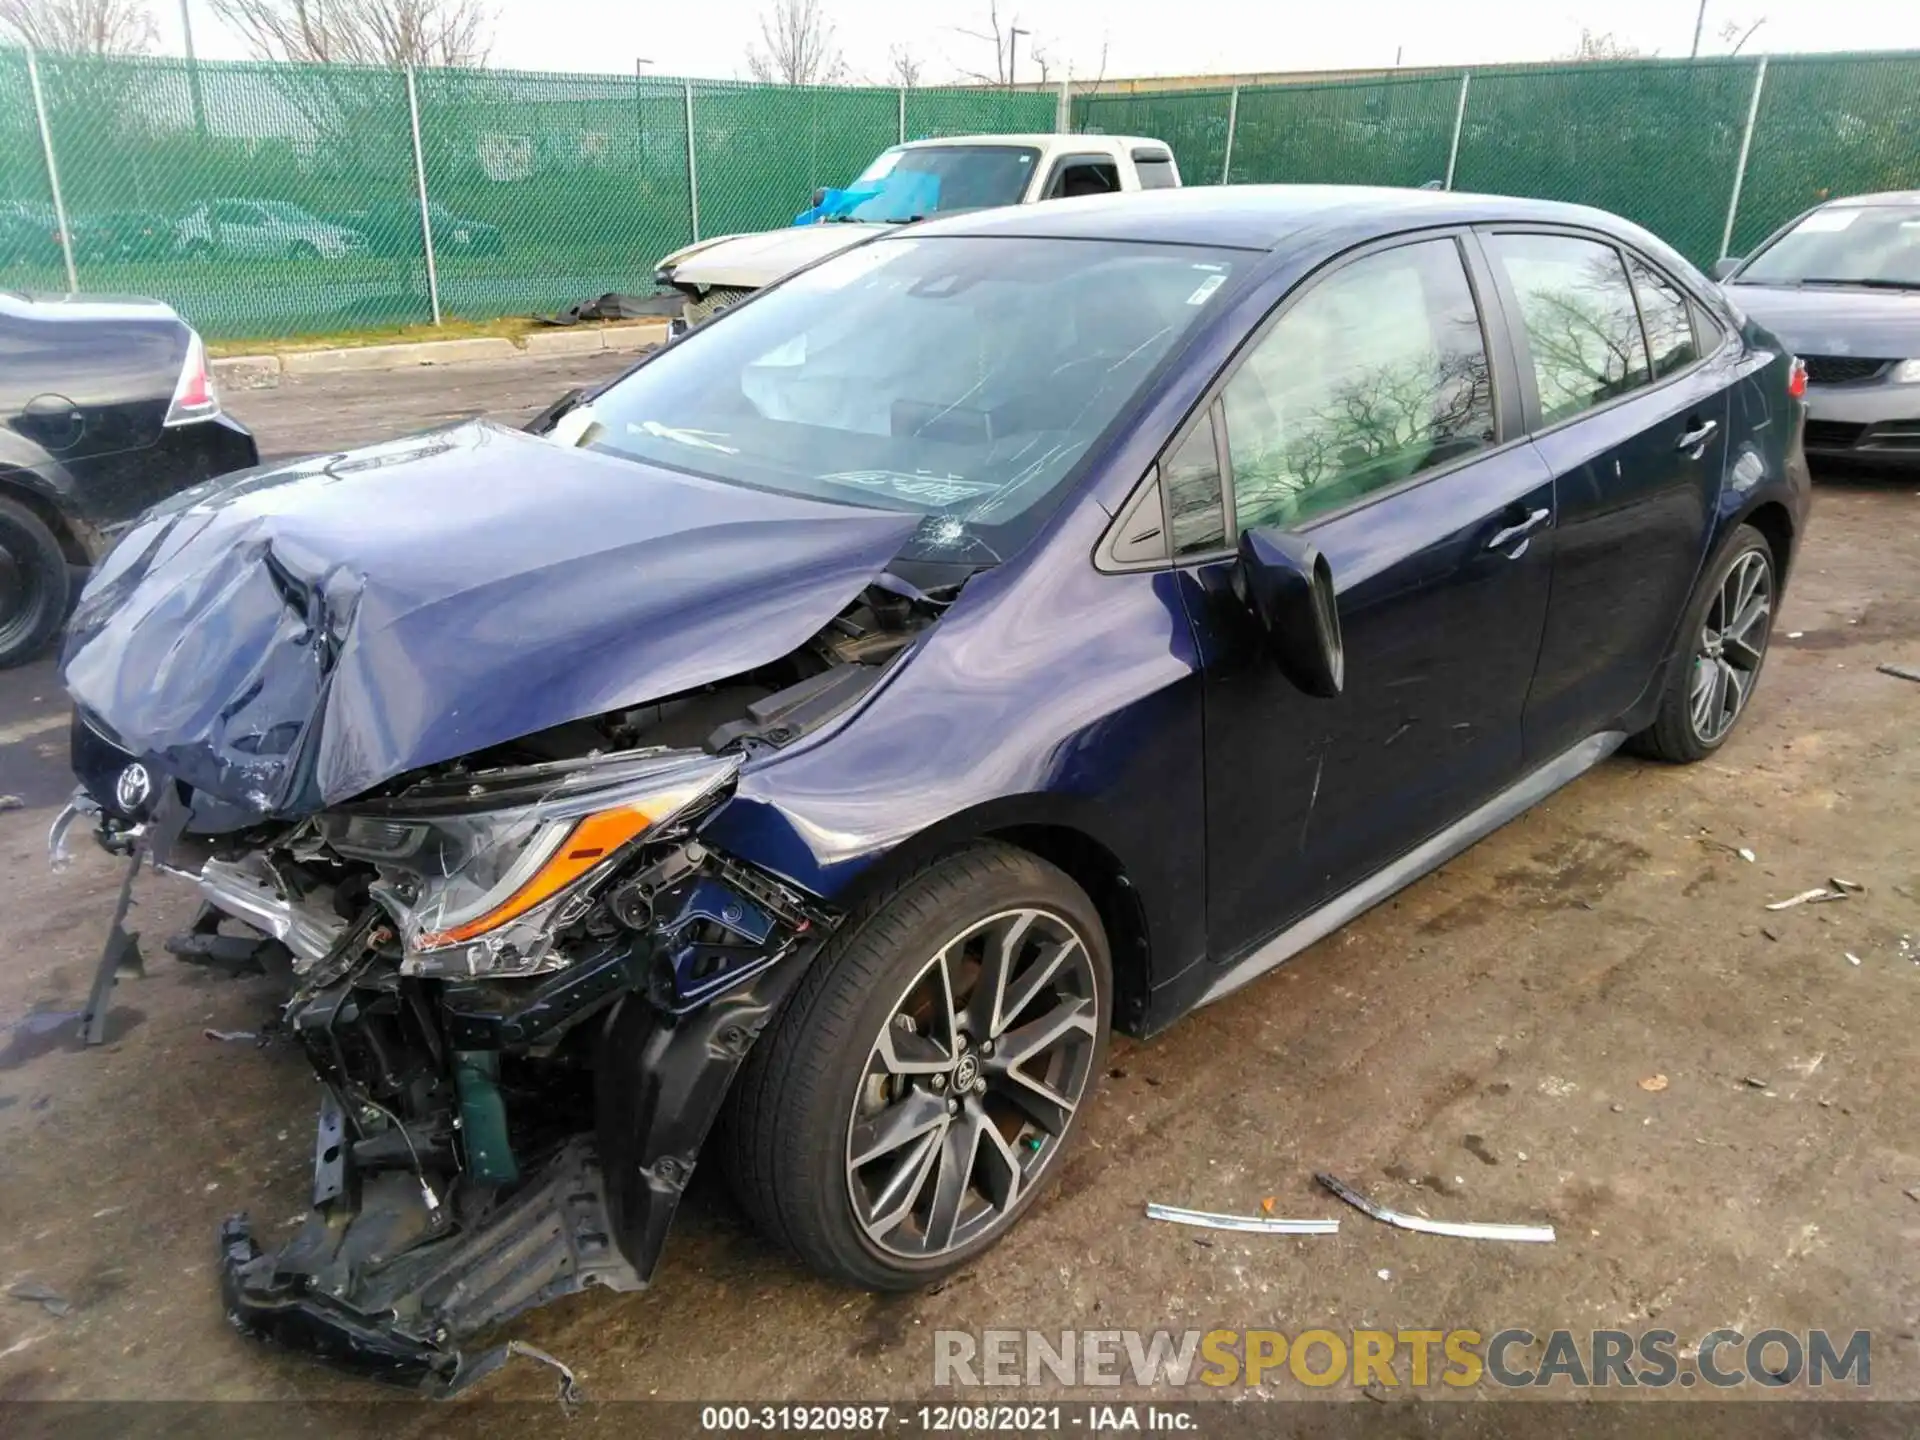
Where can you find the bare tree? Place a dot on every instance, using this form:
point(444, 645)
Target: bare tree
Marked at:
point(1595, 45)
point(904, 68)
point(797, 46)
point(81, 27)
point(362, 32)
point(1733, 30)
point(1001, 38)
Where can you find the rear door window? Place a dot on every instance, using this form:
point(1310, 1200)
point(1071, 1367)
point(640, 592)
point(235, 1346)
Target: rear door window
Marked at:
point(1663, 314)
point(1155, 169)
point(1582, 328)
point(1375, 374)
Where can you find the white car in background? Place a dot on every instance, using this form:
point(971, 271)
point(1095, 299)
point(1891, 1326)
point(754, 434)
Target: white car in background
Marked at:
point(911, 182)
point(263, 229)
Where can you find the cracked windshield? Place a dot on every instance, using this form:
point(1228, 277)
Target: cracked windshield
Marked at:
point(962, 378)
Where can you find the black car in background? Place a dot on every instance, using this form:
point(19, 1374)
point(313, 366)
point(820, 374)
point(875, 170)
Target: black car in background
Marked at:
point(106, 406)
point(1840, 287)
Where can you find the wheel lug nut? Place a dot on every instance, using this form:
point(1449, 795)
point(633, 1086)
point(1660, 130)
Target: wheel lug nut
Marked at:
point(986, 1049)
point(953, 1107)
point(960, 1043)
point(980, 1086)
point(939, 1082)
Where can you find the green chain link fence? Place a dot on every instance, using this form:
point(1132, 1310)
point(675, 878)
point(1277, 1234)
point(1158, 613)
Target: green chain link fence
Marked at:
point(1657, 141)
point(276, 200)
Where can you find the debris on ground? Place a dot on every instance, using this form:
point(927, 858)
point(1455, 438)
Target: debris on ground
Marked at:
point(1914, 1194)
point(1852, 959)
point(1769, 932)
point(1900, 672)
point(45, 1296)
point(1845, 887)
point(1654, 1084)
point(1259, 1224)
point(1819, 895)
point(569, 1394)
point(1755, 1082)
point(1462, 1230)
point(231, 1035)
point(12, 802)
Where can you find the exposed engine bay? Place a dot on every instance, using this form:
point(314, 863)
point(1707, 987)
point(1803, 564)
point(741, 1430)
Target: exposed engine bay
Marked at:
point(525, 985)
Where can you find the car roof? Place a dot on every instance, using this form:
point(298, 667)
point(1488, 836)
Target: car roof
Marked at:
point(1263, 217)
point(1880, 197)
point(1047, 140)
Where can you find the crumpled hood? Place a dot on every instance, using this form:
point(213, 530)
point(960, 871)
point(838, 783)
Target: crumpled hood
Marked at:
point(287, 638)
point(1828, 320)
point(752, 261)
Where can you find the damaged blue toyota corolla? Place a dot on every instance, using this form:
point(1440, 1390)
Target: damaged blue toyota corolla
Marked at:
point(802, 751)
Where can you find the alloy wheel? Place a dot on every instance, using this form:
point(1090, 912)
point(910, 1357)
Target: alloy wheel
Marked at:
point(1733, 641)
point(971, 1083)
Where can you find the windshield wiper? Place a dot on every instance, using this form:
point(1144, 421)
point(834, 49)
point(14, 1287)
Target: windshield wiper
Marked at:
point(1869, 283)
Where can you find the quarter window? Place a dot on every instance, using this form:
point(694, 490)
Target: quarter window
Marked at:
point(1582, 328)
point(1192, 479)
point(1663, 311)
point(1377, 373)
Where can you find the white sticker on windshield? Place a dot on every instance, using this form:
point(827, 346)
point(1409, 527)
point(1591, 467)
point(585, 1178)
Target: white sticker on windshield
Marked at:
point(1822, 220)
point(1206, 288)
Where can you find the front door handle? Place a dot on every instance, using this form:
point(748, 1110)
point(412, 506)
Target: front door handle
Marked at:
point(1520, 529)
point(1694, 442)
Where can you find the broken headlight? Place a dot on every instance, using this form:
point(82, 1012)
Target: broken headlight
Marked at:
point(480, 873)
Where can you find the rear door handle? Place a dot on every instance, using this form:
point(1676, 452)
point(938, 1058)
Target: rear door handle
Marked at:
point(1519, 530)
point(1695, 440)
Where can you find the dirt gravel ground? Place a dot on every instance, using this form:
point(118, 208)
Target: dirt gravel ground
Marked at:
point(1475, 1048)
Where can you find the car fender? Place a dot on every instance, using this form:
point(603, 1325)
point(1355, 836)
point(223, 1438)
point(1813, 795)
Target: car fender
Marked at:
point(1044, 745)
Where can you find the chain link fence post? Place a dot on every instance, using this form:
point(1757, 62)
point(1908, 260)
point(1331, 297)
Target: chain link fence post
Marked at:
point(693, 166)
point(1740, 166)
point(1063, 109)
point(53, 170)
point(420, 179)
point(1233, 123)
point(903, 117)
point(1459, 123)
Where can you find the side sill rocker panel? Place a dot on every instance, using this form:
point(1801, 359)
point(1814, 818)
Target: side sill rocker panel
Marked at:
point(1522, 795)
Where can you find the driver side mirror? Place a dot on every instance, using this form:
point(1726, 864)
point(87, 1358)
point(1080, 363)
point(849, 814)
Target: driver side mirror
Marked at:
point(819, 197)
point(1288, 585)
point(1725, 266)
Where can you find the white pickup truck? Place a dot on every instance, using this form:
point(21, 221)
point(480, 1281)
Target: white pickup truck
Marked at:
point(911, 182)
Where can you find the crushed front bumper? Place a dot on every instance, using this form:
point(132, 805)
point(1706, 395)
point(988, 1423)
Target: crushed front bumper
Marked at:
point(381, 1293)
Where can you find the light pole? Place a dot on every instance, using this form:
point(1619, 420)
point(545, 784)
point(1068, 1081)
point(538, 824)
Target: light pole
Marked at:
point(1699, 19)
point(1014, 32)
point(193, 73)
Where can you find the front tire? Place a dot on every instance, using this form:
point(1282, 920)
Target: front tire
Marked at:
point(1728, 624)
point(920, 1086)
point(34, 584)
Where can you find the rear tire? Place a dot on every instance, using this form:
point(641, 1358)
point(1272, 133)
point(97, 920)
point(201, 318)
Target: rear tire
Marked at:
point(34, 584)
point(1724, 644)
point(886, 1155)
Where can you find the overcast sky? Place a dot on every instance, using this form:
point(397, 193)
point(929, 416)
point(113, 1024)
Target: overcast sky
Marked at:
point(1142, 37)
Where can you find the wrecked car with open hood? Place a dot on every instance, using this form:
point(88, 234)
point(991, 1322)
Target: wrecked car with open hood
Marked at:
point(801, 752)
